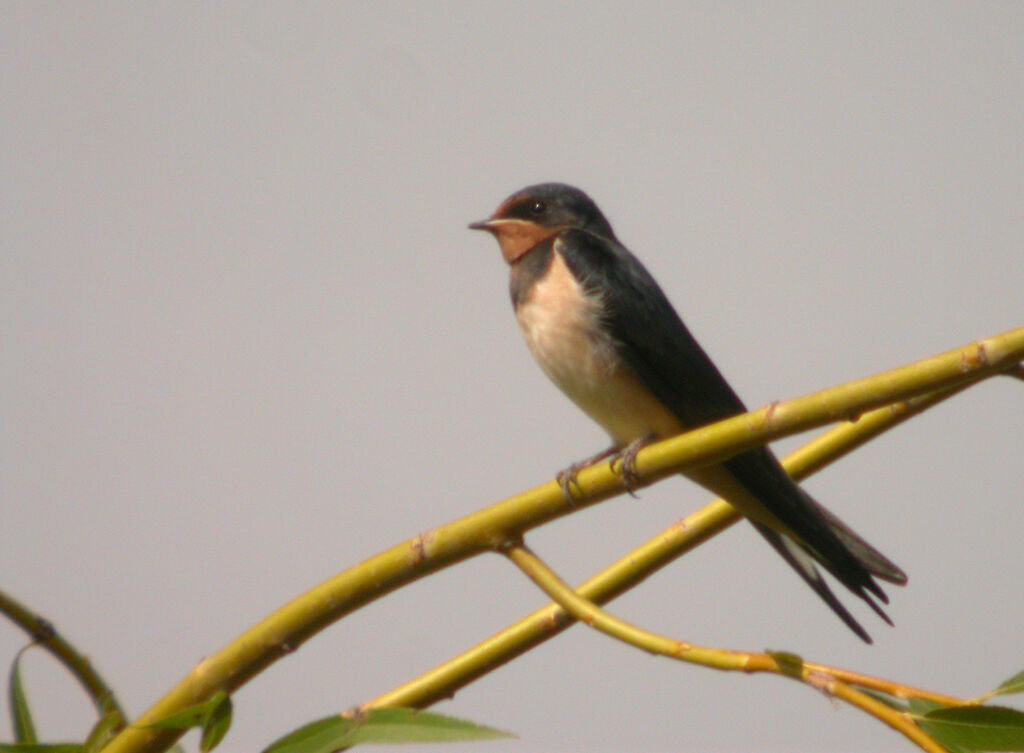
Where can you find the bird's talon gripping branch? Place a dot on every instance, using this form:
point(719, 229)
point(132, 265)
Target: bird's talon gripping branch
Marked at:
point(566, 478)
point(625, 464)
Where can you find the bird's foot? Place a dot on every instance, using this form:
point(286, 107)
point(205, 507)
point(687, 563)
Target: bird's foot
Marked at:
point(625, 464)
point(567, 478)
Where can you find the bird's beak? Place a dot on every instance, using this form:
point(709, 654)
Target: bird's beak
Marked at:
point(515, 236)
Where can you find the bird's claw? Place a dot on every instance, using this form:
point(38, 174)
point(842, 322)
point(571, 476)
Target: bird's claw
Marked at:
point(625, 464)
point(566, 478)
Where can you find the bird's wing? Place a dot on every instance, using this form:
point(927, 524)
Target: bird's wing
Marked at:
point(652, 339)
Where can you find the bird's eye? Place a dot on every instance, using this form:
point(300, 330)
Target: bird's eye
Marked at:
point(538, 208)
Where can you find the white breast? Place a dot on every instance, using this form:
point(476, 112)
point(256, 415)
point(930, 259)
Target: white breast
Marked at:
point(560, 322)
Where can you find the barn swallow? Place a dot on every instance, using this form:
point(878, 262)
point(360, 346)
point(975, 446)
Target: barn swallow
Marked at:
point(603, 331)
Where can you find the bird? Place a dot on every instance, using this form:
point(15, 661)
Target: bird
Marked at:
point(603, 331)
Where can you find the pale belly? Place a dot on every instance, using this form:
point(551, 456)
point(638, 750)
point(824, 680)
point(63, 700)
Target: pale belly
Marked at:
point(559, 322)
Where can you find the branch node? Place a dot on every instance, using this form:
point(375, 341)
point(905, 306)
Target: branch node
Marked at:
point(43, 630)
point(820, 681)
point(355, 713)
point(769, 412)
point(982, 354)
point(503, 544)
point(419, 546)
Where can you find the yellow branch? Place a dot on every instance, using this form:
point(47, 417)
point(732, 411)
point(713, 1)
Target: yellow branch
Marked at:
point(286, 629)
point(547, 622)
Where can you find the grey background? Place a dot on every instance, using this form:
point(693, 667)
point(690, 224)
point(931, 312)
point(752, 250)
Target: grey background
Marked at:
point(247, 340)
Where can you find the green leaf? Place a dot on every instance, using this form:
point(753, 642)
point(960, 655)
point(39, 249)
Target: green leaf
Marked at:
point(918, 707)
point(213, 716)
point(40, 748)
point(320, 736)
point(191, 716)
point(414, 726)
point(21, 714)
point(1014, 685)
point(389, 726)
point(988, 728)
point(954, 748)
point(217, 725)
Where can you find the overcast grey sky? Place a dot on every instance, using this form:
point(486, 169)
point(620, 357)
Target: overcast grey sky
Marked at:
point(247, 340)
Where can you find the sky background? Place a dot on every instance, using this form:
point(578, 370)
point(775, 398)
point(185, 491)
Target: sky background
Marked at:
point(247, 340)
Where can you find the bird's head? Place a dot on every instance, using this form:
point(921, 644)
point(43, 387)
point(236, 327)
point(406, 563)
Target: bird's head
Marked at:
point(534, 214)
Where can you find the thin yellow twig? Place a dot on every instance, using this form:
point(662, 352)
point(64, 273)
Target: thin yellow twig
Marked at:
point(890, 687)
point(817, 676)
point(899, 721)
